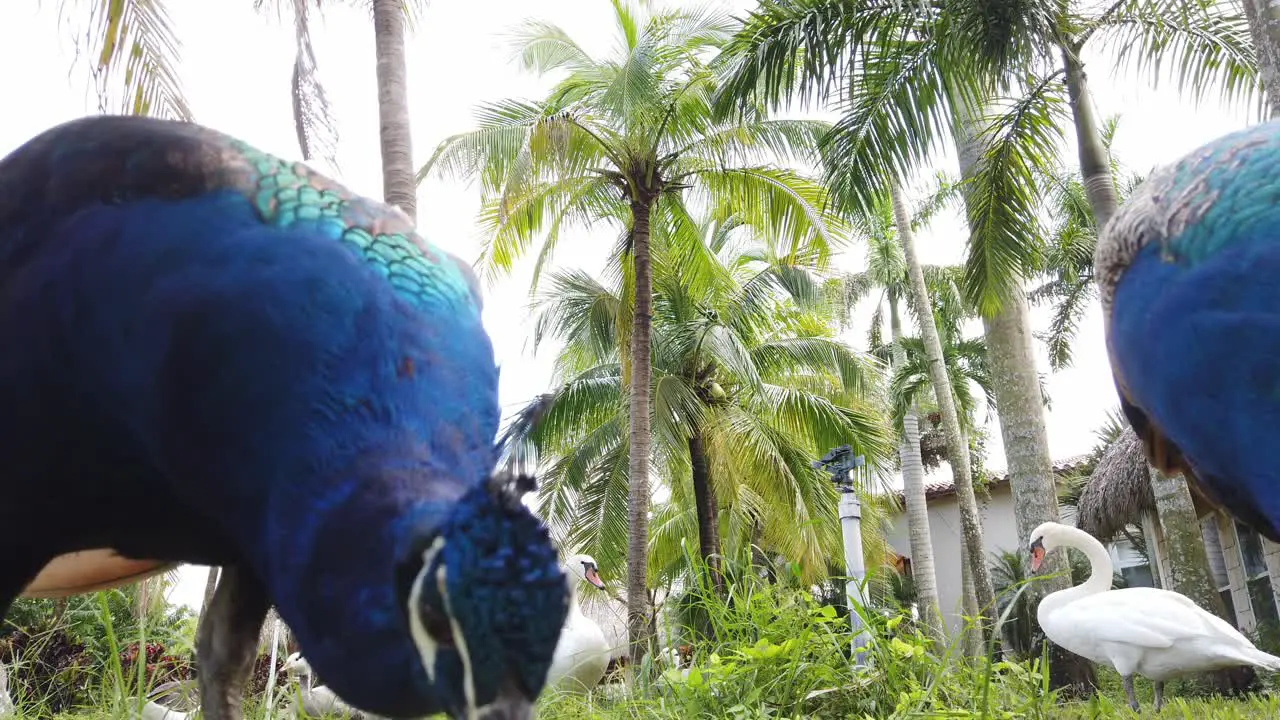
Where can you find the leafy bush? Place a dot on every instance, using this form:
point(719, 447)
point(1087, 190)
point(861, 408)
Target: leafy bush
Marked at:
point(161, 665)
point(49, 670)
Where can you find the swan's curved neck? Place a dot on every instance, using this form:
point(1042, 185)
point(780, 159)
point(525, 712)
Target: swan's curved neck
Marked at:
point(573, 590)
point(1099, 568)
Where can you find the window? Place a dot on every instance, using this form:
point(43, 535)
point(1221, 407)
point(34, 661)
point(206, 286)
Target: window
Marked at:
point(1131, 564)
point(1257, 579)
point(1250, 552)
point(1217, 565)
point(1137, 576)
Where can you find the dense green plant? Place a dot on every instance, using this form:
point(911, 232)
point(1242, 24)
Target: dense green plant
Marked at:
point(749, 388)
point(780, 652)
point(628, 141)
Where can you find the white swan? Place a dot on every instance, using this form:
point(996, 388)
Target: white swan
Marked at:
point(1154, 633)
point(311, 701)
point(152, 710)
point(582, 653)
point(6, 702)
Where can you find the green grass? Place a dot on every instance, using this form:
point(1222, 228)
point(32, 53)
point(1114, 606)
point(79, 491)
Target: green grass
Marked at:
point(771, 652)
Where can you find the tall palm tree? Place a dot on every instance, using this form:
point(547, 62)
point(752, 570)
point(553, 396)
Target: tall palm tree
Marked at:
point(627, 140)
point(887, 271)
point(913, 74)
point(749, 388)
point(395, 136)
point(911, 391)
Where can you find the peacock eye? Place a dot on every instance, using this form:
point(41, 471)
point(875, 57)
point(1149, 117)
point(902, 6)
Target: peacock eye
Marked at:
point(437, 626)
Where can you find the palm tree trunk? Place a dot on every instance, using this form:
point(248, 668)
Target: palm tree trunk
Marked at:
point(918, 533)
point(970, 642)
point(1188, 563)
point(1095, 163)
point(641, 438)
point(957, 450)
point(394, 133)
point(759, 562)
point(210, 585)
point(1020, 406)
point(1020, 410)
point(704, 498)
point(1264, 26)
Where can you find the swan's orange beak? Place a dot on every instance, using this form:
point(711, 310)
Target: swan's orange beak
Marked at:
point(593, 577)
point(1037, 556)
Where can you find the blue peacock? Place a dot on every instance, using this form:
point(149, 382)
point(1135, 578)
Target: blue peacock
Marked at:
point(1189, 273)
point(215, 356)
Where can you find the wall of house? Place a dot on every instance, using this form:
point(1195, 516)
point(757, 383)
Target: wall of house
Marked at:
point(1000, 532)
point(1231, 558)
point(1272, 554)
point(1226, 560)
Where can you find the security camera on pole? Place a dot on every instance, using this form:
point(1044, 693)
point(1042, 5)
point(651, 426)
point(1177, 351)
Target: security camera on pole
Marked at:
point(841, 462)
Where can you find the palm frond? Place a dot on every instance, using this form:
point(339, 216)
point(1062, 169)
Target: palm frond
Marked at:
point(134, 55)
point(1201, 44)
point(1003, 204)
point(802, 49)
point(785, 206)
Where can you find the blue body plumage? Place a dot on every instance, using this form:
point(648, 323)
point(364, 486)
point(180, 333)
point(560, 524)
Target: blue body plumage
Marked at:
point(261, 370)
point(1187, 270)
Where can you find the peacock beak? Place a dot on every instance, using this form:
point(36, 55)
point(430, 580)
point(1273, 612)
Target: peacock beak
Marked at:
point(510, 705)
point(593, 577)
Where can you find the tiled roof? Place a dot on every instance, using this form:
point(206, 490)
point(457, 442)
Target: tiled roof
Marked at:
point(935, 490)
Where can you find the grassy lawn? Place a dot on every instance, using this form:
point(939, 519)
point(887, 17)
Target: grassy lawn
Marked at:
point(779, 653)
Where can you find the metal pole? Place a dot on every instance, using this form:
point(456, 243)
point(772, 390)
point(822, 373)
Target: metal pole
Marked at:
point(855, 570)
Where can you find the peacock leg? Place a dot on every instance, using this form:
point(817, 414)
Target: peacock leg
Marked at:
point(1159, 686)
point(228, 642)
point(1128, 693)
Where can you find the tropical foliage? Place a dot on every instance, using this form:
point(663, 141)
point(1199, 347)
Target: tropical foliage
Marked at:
point(909, 77)
point(749, 387)
point(711, 352)
point(631, 141)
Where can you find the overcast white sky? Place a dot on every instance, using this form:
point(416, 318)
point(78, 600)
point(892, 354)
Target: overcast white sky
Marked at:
point(237, 64)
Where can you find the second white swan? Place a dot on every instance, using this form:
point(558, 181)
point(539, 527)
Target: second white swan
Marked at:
point(1154, 633)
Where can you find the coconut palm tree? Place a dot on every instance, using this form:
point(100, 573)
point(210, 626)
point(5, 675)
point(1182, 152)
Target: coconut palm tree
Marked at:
point(630, 141)
point(749, 388)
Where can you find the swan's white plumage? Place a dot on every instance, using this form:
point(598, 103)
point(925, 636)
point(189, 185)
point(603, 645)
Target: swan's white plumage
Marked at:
point(1155, 633)
point(6, 702)
point(152, 710)
point(312, 700)
point(582, 653)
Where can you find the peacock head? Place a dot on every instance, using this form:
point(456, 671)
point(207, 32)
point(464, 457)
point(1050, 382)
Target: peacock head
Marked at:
point(486, 601)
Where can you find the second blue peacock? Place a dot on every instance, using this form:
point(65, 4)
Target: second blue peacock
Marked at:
point(215, 356)
point(1189, 272)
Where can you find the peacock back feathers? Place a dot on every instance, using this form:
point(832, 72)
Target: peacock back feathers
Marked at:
point(116, 160)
